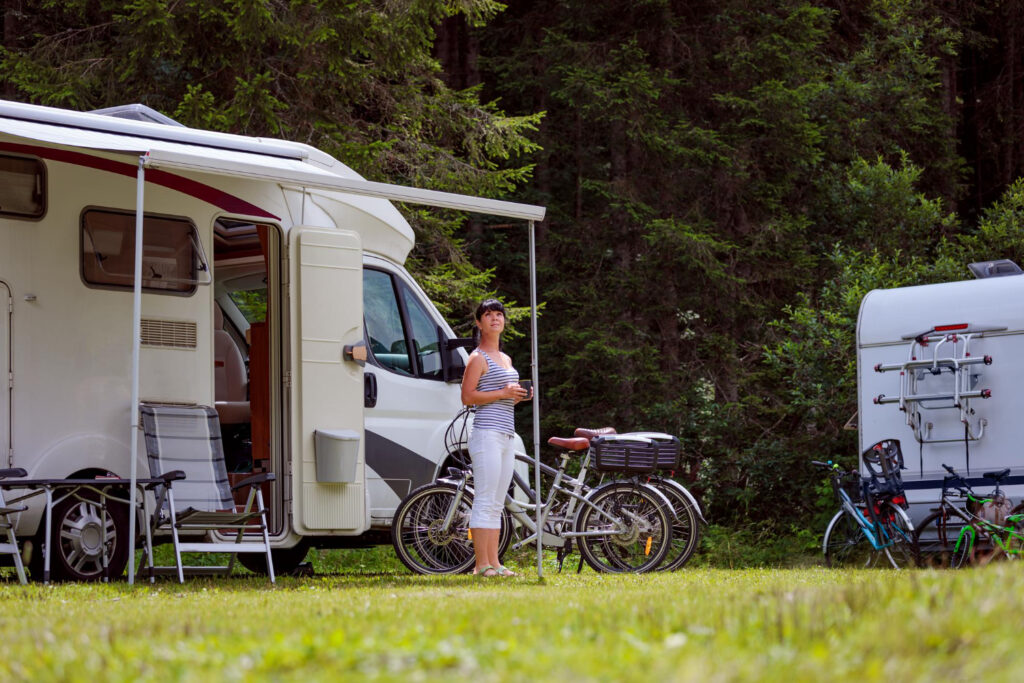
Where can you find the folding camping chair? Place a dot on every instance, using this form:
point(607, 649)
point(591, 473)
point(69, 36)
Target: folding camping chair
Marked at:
point(183, 445)
point(7, 525)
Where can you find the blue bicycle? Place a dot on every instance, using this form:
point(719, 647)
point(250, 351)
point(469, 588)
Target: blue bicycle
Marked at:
point(872, 527)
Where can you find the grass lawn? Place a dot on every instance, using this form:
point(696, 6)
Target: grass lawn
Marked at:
point(697, 624)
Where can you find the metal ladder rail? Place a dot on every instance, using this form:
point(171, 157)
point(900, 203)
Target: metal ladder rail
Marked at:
point(962, 394)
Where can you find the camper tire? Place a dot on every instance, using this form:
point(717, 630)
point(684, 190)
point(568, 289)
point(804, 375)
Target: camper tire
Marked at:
point(286, 560)
point(76, 533)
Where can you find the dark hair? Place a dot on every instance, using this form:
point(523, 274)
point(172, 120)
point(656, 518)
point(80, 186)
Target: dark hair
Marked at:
point(486, 305)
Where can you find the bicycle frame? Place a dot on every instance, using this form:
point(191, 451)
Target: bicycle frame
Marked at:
point(577, 493)
point(973, 525)
point(872, 529)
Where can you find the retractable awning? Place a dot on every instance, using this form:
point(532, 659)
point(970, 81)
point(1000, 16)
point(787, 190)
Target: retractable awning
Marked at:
point(287, 164)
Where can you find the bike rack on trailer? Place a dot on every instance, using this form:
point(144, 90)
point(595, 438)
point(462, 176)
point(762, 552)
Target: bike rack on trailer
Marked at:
point(911, 400)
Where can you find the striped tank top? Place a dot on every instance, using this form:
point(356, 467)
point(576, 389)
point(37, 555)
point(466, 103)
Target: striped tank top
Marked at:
point(497, 416)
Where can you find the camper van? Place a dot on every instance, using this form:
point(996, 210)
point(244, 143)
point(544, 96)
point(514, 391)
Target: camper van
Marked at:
point(272, 288)
point(937, 369)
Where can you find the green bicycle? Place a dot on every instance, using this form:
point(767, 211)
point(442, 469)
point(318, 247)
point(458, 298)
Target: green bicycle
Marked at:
point(975, 532)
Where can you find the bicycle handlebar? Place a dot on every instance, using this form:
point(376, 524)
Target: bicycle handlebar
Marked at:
point(962, 486)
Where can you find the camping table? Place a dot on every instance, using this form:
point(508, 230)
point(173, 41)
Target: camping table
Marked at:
point(58, 490)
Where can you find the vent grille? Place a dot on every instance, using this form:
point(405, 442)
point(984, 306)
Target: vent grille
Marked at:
point(174, 334)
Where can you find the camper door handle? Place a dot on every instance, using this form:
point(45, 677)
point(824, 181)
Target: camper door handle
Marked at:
point(369, 390)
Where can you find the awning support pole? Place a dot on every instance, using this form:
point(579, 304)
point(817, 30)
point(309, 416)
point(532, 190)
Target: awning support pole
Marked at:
point(133, 410)
point(534, 375)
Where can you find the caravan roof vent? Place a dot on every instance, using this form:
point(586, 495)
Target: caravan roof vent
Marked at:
point(998, 268)
point(137, 112)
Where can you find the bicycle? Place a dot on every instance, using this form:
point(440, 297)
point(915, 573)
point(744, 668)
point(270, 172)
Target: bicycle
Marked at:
point(688, 516)
point(621, 526)
point(957, 535)
point(872, 521)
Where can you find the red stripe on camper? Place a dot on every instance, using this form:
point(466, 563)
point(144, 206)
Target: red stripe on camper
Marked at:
point(208, 194)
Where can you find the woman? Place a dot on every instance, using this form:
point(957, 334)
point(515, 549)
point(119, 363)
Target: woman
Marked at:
point(491, 384)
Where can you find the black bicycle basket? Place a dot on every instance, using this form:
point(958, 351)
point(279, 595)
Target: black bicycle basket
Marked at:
point(851, 482)
point(636, 452)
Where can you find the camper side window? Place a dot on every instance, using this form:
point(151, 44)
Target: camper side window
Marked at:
point(399, 332)
point(424, 337)
point(22, 187)
point(382, 318)
point(172, 258)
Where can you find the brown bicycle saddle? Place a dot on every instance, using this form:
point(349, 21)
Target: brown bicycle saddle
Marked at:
point(576, 444)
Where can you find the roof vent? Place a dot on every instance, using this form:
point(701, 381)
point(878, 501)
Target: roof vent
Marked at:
point(999, 268)
point(137, 112)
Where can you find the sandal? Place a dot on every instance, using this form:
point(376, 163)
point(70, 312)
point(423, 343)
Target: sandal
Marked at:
point(482, 571)
point(505, 571)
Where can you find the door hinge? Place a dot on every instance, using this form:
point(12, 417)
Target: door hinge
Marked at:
point(286, 379)
point(10, 380)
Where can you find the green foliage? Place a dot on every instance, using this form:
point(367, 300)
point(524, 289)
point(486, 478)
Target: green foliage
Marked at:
point(724, 186)
point(353, 78)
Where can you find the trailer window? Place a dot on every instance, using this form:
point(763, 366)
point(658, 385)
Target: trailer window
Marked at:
point(172, 256)
point(22, 184)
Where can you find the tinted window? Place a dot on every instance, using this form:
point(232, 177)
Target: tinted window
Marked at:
point(424, 336)
point(21, 187)
point(385, 332)
point(171, 259)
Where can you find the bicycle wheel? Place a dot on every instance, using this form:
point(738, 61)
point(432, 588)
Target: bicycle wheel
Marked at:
point(424, 544)
point(897, 527)
point(936, 536)
point(963, 548)
point(846, 546)
point(685, 526)
point(628, 527)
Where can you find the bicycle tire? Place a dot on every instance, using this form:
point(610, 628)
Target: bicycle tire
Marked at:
point(963, 548)
point(426, 548)
point(845, 545)
point(685, 526)
point(636, 529)
point(902, 553)
point(936, 536)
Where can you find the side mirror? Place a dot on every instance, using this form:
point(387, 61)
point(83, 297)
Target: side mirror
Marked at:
point(451, 362)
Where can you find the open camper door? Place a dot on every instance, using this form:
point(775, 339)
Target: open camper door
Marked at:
point(327, 453)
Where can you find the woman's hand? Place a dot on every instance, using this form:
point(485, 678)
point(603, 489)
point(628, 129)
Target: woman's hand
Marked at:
point(515, 392)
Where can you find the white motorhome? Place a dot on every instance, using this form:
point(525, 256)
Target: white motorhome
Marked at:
point(938, 368)
point(269, 271)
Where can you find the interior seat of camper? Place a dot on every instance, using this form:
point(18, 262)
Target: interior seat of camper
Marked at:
point(231, 384)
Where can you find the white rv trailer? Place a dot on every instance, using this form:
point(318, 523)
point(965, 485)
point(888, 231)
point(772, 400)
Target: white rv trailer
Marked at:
point(939, 368)
point(262, 262)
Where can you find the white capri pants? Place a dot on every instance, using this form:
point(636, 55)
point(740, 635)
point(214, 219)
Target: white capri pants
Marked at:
point(493, 456)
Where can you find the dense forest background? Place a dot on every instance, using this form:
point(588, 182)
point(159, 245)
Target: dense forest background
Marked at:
point(724, 180)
